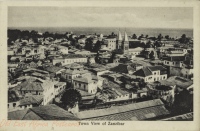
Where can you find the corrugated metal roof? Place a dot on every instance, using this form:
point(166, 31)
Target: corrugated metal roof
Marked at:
point(135, 115)
point(118, 109)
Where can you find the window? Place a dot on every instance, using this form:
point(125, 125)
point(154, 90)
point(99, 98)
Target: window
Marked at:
point(14, 104)
point(84, 87)
point(155, 73)
point(164, 77)
point(8, 105)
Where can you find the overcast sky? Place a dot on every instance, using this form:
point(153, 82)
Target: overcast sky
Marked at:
point(147, 17)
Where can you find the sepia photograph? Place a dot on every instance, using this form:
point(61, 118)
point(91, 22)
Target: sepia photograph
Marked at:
point(100, 63)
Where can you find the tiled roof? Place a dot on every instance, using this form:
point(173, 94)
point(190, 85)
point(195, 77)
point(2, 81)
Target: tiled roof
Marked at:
point(34, 99)
point(17, 115)
point(52, 112)
point(71, 56)
point(136, 49)
point(74, 65)
point(114, 89)
point(95, 114)
point(32, 84)
point(37, 70)
point(60, 84)
point(31, 116)
point(178, 81)
point(143, 72)
point(73, 72)
point(122, 68)
point(175, 58)
point(84, 79)
point(84, 93)
point(48, 112)
point(53, 69)
point(156, 68)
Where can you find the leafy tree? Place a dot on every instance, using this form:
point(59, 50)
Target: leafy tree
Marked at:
point(58, 64)
point(151, 55)
point(70, 98)
point(13, 35)
point(97, 46)
point(160, 37)
point(183, 102)
point(117, 51)
point(140, 37)
point(134, 36)
point(184, 39)
point(89, 44)
point(167, 37)
point(136, 86)
point(141, 83)
point(148, 45)
point(25, 35)
point(157, 44)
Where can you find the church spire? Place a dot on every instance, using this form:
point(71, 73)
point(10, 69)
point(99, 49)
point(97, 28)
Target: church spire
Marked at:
point(125, 36)
point(119, 37)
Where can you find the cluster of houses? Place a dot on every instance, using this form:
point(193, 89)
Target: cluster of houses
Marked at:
point(116, 74)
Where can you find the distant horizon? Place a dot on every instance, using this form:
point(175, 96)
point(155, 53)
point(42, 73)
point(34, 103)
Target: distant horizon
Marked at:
point(123, 28)
point(172, 32)
point(120, 17)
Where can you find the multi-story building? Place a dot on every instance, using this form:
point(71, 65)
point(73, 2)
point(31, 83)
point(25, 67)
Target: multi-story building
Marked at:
point(174, 61)
point(69, 59)
point(69, 75)
point(152, 73)
point(63, 49)
point(187, 72)
point(110, 43)
point(85, 83)
point(36, 86)
point(29, 50)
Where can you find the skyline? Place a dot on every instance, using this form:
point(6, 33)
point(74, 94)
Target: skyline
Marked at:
point(124, 17)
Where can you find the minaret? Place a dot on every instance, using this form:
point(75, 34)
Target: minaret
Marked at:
point(119, 41)
point(125, 43)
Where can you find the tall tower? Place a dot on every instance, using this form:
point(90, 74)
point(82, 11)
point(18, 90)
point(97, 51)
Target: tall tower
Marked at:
point(119, 41)
point(125, 43)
